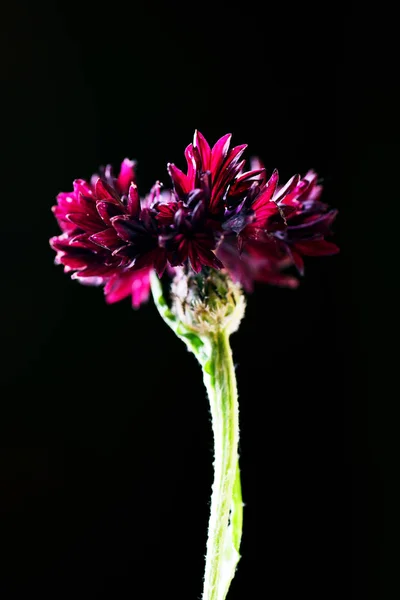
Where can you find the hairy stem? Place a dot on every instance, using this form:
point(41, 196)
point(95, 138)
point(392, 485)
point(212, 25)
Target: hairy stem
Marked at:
point(214, 354)
point(225, 527)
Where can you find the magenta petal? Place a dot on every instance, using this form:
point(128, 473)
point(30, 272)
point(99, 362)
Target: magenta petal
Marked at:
point(107, 239)
point(263, 205)
point(235, 154)
point(133, 200)
point(180, 180)
point(104, 191)
point(191, 172)
point(201, 145)
point(60, 242)
point(135, 283)
point(82, 187)
point(219, 152)
point(63, 223)
point(287, 189)
point(73, 262)
point(65, 200)
point(83, 241)
point(98, 270)
point(108, 210)
point(250, 175)
point(126, 175)
point(88, 223)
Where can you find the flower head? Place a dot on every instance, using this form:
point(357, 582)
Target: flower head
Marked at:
point(216, 216)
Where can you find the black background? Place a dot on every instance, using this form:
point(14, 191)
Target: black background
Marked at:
point(106, 447)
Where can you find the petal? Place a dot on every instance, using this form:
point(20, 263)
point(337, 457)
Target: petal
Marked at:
point(317, 247)
point(107, 239)
point(104, 191)
point(266, 194)
point(87, 222)
point(191, 164)
point(82, 187)
point(235, 154)
point(203, 149)
point(83, 241)
point(219, 152)
point(127, 228)
point(166, 212)
point(73, 262)
point(298, 262)
point(60, 243)
point(108, 210)
point(126, 175)
point(135, 283)
point(133, 200)
point(287, 189)
point(99, 270)
point(179, 179)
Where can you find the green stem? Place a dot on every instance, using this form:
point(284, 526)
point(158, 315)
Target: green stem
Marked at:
point(225, 526)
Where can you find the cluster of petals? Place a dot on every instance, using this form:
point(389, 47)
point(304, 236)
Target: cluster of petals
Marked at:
point(216, 215)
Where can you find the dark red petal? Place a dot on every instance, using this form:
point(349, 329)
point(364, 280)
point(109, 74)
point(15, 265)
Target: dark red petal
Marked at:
point(73, 262)
point(234, 155)
point(108, 210)
point(126, 227)
point(103, 191)
point(88, 223)
point(166, 212)
point(83, 241)
point(298, 262)
point(82, 187)
point(287, 189)
point(250, 175)
point(60, 243)
point(156, 258)
point(160, 261)
point(266, 195)
point(201, 145)
point(318, 247)
point(60, 215)
point(107, 239)
point(312, 225)
point(99, 270)
point(191, 171)
point(194, 258)
point(133, 201)
point(126, 175)
point(219, 152)
point(180, 180)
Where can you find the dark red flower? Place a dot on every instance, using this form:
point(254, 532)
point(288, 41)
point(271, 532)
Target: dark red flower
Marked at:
point(217, 171)
point(216, 216)
point(309, 221)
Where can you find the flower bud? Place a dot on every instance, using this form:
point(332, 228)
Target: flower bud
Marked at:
point(207, 302)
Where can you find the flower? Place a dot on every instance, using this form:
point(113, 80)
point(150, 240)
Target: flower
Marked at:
point(216, 216)
point(89, 246)
point(308, 222)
